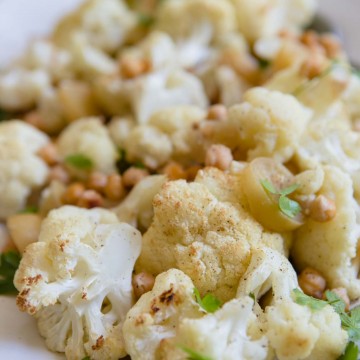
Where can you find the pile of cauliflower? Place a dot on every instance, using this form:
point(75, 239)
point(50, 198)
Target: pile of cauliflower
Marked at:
point(187, 161)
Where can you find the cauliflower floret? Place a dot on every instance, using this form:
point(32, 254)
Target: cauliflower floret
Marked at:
point(259, 18)
point(169, 134)
point(104, 24)
point(269, 124)
point(294, 331)
point(22, 170)
point(331, 247)
point(46, 56)
point(157, 49)
point(119, 129)
point(20, 88)
point(89, 61)
point(137, 208)
point(194, 25)
point(90, 138)
point(223, 335)
point(156, 91)
point(208, 19)
point(204, 229)
point(155, 317)
point(148, 144)
point(74, 283)
point(331, 141)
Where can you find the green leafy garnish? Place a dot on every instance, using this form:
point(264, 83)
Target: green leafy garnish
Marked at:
point(9, 262)
point(193, 355)
point(269, 186)
point(351, 352)
point(86, 358)
point(79, 161)
point(287, 206)
point(209, 302)
point(29, 210)
point(303, 299)
point(252, 295)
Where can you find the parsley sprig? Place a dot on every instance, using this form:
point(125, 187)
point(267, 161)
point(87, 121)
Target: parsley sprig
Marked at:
point(287, 206)
point(9, 262)
point(209, 302)
point(349, 321)
point(194, 355)
point(79, 161)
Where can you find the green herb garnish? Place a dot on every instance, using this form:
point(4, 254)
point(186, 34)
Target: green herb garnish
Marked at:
point(287, 206)
point(209, 302)
point(312, 303)
point(9, 262)
point(79, 161)
point(86, 358)
point(29, 210)
point(193, 355)
point(351, 352)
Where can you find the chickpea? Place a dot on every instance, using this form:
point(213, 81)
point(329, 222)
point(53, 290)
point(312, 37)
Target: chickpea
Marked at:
point(331, 45)
point(342, 293)
point(142, 283)
point(310, 39)
point(133, 67)
point(73, 193)
point(49, 154)
point(90, 199)
point(313, 66)
point(97, 181)
point(114, 189)
point(312, 283)
point(217, 112)
point(174, 171)
point(322, 209)
point(133, 175)
point(59, 173)
point(35, 119)
point(219, 156)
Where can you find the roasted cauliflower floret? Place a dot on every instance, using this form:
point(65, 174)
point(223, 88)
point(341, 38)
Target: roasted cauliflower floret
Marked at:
point(20, 88)
point(76, 280)
point(203, 20)
point(169, 134)
point(104, 24)
point(294, 331)
point(332, 247)
point(22, 170)
point(269, 124)
point(260, 18)
point(204, 229)
point(223, 335)
point(157, 314)
point(164, 89)
point(89, 137)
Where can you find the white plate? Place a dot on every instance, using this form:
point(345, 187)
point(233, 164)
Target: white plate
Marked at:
point(22, 20)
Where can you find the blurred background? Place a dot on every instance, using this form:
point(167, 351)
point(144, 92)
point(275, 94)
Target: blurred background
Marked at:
point(21, 20)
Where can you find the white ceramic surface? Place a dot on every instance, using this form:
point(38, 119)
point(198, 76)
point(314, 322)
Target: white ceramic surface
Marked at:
point(21, 20)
